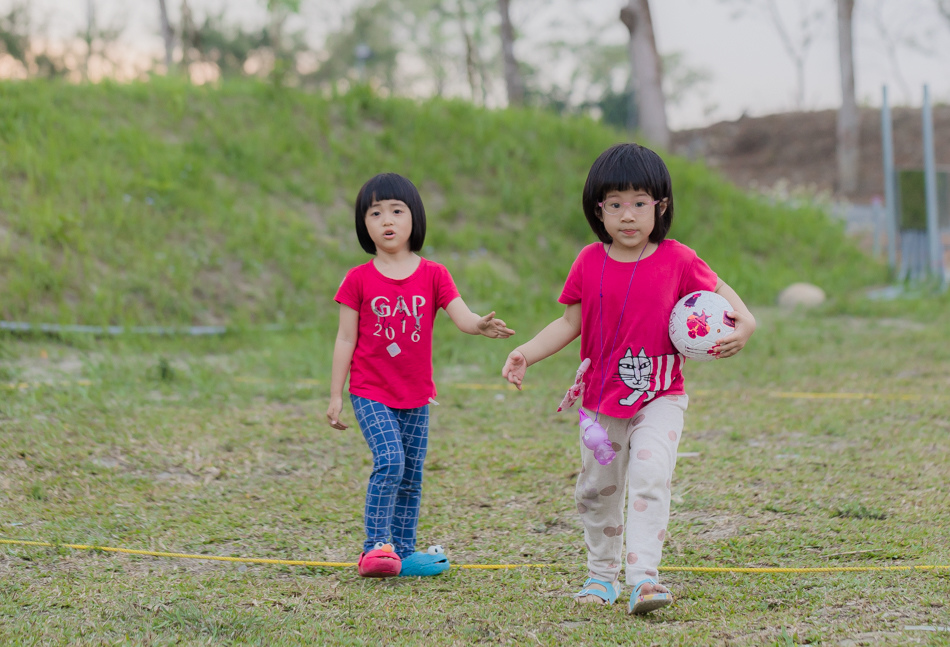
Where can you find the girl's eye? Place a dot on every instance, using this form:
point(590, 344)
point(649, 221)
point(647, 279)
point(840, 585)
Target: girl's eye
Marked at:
point(640, 204)
point(613, 205)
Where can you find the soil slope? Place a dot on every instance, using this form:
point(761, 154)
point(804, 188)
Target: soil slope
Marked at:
point(798, 149)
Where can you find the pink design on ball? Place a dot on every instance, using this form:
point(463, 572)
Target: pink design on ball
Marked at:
point(694, 324)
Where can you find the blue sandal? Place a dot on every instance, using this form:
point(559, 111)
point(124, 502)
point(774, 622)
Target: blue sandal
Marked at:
point(609, 595)
point(419, 564)
point(649, 602)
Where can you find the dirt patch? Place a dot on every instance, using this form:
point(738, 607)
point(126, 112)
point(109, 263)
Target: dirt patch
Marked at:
point(797, 149)
point(708, 527)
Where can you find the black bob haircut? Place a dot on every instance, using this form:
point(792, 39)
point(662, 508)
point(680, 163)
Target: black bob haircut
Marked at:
point(390, 186)
point(625, 167)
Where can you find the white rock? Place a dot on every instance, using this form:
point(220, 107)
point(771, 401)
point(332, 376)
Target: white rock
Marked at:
point(803, 295)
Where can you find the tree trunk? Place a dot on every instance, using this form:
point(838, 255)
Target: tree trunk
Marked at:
point(470, 67)
point(796, 52)
point(471, 54)
point(646, 73)
point(90, 36)
point(513, 80)
point(188, 37)
point(168, 36)
point(848, 117)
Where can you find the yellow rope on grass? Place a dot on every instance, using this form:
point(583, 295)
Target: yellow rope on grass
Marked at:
point(814, 569)
point(154, 553)
point(300, 562)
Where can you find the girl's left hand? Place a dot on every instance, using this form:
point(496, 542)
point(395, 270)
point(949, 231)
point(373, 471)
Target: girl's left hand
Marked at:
point(732, 344)
point(494, 328)
point(334, 411)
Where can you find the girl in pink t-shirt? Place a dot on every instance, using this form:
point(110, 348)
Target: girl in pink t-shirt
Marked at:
point(618, 297)
point(384, 343)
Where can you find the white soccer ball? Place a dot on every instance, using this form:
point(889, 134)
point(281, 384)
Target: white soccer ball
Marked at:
point(698, 322)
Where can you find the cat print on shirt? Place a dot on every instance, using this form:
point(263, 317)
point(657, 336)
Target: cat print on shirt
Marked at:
point(646, 375)
point(635, 372)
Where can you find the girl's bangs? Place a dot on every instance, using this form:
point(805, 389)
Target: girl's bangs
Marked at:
point(632, 177)
point(387, 187)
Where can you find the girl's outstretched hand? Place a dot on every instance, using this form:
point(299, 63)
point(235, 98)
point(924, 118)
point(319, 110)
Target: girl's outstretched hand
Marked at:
point(515, 367)
point(732, 344)
point(333, 413)
point(494, 328)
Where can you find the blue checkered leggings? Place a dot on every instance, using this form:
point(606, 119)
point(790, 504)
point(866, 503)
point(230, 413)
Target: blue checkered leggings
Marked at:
point(398, 439)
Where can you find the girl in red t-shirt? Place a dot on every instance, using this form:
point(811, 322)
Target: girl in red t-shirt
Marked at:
point(384, 343)
point(618, 297)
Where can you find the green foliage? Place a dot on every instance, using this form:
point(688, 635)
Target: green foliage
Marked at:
point(912, 199)
point(165, 203)
point(14, 32)
point(25, 51)
point(365, 48)
point(229, 46)
point(283, 5)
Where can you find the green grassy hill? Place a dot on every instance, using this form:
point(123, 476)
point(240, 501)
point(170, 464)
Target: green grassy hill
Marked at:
point(164, 203)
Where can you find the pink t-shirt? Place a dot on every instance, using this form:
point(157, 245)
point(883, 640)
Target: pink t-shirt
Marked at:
point(392, 361)
point(644, 363)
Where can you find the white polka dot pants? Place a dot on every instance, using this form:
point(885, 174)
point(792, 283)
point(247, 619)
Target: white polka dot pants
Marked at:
point(646, 455)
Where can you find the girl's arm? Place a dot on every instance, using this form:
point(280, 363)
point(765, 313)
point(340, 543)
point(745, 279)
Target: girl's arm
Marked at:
point(745, 322)
point(555, 336)
point(342, 356)
point(468, 321)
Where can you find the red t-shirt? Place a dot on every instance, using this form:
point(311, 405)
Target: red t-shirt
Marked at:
point(644, 363)
point(392, 361)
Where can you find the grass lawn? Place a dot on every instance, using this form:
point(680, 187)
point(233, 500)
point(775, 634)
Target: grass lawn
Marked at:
point(219, 447)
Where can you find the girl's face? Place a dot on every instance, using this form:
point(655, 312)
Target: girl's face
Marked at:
point(389, 223)
point(628, 217)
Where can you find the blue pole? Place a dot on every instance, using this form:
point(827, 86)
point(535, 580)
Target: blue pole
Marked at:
point(890, 215)
point(935, 248)
point(877, 212)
